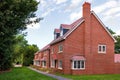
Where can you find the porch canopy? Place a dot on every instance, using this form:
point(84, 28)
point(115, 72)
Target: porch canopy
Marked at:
point(77, 57)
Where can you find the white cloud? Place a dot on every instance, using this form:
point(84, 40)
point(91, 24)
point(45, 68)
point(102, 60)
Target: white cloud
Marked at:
point(43, 3)
point(75, 15)
point(48, 11)
point(33, 25)
point(112, 11)
point(60, 1)
point(74, 4)
point(118, 32)
point(103, 7)
point(117, 15)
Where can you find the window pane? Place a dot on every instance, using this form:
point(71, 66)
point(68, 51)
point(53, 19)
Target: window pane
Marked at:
point(44, 63)
point(75, 63)
point(103, 48)
point(82, 64)
point(99, 48)
point(78, 64)
point(60, 64)
point(60, 48)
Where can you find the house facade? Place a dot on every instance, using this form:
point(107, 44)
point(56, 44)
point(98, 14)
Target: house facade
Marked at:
point(42, 57)
point(83, 47)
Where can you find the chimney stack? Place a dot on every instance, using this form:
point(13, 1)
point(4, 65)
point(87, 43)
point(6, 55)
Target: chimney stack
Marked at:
point(86, 9)
point(87, 35)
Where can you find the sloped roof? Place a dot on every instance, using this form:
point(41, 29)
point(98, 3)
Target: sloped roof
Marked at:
point(72, 27)
point(45, 48)
point(75, 24)
point(117, 58)
point(65, 26)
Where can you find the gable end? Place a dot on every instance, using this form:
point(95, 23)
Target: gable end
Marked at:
point(92, 12)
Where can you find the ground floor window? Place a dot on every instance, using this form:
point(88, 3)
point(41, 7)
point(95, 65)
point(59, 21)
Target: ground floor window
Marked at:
point(60, 64)
point(52, 63)
point(37, 63)
point(78, 64)
point(43, 63)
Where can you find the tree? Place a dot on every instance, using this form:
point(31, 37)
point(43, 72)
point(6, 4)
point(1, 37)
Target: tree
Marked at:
point(13, 16)
point(29, 54)
point(117, 44)
point(19, 49)
point(117, 37)
point(23, 53)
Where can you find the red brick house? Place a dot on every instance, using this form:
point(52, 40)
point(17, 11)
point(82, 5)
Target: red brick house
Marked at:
point(42, 57)
point(83, 47)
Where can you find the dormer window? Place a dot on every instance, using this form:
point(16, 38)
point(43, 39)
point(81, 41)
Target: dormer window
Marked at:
point(56, 33)
point(63, 31)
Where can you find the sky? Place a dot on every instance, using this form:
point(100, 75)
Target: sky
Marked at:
point(56, 12)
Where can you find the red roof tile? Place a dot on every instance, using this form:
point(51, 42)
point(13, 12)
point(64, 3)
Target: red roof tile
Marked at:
point(78, 58)
point(65, 26)
point(57, 30)
point(71, 26)
point(45, 48)
point(117, 58)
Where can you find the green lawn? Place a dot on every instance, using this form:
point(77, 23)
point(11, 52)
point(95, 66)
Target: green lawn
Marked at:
point(23, 73)
point(93, 77)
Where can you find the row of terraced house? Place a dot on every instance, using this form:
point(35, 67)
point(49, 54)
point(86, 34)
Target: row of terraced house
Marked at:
point(83, 47)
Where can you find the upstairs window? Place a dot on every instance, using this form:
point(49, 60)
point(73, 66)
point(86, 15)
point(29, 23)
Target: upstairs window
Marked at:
point(101, 48)
point(60, 48)
point(52, 50)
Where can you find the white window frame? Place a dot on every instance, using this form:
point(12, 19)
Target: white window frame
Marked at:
point(103, 50)
point(55, 35)
point(38, 63)
point(59, 48)
point(77, 65)
point(52, 63)
point(44, 63)
point(61, 33)
point(60, 64)
point(52, 50)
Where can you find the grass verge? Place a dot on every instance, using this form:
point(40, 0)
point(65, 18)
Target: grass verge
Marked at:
point(93, 77)
point(23, 73)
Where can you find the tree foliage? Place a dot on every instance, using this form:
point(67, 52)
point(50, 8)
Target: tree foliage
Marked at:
point(29, 54)
point(117, 37)
point(117, 44)
point(13, 15)
point(23, 52)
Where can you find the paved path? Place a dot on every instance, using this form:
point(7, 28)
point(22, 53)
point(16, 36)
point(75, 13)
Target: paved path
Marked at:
point(51, 75)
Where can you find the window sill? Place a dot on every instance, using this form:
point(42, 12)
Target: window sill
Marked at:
point(102, 52)
point(52, 67)
point(60, 51)
point(44, 66)
point(59, 68)
point(78, 69)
